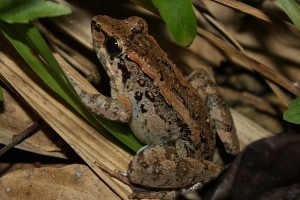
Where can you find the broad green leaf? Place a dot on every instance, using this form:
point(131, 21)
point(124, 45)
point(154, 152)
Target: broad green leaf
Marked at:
point(180, 19)
point(34, 50)
point(292, 10)
point(293, 112)
point(23, 11)
point(4, 4)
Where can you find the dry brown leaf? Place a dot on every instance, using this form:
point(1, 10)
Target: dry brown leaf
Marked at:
point(69, 182)
point(41, 142)
point(3, 193)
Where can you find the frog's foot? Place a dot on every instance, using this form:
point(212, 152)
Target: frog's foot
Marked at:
point(161, 166)
point(146, 193)
point(218, 109)
point(143, 193)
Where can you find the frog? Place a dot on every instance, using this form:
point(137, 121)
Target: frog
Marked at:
point(177, 118)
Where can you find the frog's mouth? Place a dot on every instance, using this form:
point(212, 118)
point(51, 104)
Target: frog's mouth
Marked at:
point(109, 71)
point(102, 80)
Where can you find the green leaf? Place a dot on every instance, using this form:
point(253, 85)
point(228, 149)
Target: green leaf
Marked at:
point(180, 19)
point(292, 9)
point(1, 94)
point(23, 11)
point(293, 112)
point(34, 50)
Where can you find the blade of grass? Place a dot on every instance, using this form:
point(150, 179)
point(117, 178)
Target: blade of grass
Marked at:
point(28, 42)
point(292, 9)
point(1, 94)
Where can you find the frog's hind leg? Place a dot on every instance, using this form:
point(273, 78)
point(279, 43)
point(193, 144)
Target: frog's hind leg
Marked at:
point(167, 166)
point(218, 109)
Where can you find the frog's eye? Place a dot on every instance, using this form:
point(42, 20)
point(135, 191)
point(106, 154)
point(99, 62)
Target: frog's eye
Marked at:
point(113, 46)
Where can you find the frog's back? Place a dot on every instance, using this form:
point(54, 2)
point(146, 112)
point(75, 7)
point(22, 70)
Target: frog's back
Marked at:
point(166, 107)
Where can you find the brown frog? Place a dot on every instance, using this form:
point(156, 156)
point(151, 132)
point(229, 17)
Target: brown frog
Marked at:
point(177, 118)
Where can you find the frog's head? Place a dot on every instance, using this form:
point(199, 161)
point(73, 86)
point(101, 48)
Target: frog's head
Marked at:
point(113, 39)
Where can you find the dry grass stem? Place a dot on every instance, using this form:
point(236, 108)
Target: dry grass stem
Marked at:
point(256, 66)
point(258, 14)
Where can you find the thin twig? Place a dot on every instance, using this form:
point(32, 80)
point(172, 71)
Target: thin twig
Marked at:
point(210, 18)
point(113, 173)
point(18, 138)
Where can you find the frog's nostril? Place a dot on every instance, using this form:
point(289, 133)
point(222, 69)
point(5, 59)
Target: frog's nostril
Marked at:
point(95, 26)
point(93, 22)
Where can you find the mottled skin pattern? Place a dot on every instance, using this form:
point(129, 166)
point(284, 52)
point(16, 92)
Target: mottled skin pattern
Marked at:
point(177, 120)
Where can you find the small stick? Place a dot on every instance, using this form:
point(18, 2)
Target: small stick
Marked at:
point(113, 173)
point(18, 138)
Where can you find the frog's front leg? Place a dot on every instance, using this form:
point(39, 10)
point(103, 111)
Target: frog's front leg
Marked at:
point(166, 166)
point(218, 109)
point(114, 109)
